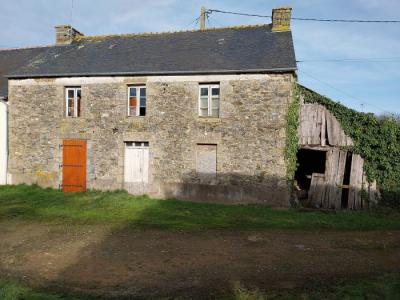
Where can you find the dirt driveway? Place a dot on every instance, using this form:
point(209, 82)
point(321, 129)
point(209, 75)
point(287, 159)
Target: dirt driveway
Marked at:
point(129, 262)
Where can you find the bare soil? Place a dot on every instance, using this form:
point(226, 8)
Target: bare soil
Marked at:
point(105, 261)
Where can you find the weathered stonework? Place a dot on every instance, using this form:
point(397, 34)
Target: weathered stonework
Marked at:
point(250, 134)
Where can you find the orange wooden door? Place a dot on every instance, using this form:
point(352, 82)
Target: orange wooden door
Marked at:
point(74, 166)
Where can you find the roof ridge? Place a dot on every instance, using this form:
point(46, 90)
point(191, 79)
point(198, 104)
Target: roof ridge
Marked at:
point(26, 47)
point(88, 37)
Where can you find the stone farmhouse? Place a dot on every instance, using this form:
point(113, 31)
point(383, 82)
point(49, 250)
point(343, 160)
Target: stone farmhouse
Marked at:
point(198, 115)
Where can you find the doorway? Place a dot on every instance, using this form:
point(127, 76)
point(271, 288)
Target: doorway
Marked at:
point(136, 167)
point(346, 181)
point(309, 161)
point(74, 166)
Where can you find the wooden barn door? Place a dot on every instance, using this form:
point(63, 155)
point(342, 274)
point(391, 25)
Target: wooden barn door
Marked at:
point(74, 166)
point(356, 178)
point(334, 173)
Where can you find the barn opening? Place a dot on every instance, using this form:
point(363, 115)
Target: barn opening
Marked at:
point(328, 175)
point(309, 161)
point(346, 181)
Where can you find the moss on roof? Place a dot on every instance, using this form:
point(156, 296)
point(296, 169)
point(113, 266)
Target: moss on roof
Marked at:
point(142, 34)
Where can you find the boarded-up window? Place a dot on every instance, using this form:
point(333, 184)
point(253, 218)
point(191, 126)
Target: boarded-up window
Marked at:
point(207, 159)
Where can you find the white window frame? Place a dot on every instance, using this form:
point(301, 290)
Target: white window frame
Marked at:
point(137, 145)
point(75, 90)
point(210, 97)
point(138, 95)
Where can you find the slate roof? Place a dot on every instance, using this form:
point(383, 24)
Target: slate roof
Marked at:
point(13, 59)
point(246, 49)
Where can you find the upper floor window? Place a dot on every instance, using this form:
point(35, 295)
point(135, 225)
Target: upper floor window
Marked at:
point(73, 102)
point(209, 100)
point(136, 101)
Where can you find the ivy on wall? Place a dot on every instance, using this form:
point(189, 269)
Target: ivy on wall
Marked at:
point(376, 139)
point(292, 140)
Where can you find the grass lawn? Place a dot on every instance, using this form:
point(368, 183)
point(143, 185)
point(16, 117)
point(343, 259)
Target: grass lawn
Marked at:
point(385, 287)
point(35, 203)
point(11, 290)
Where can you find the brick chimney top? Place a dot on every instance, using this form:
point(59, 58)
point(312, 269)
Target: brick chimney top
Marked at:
point(281, 18)
point(65, 34)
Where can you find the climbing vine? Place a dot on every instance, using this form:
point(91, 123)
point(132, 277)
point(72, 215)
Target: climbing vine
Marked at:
point(292, 140)
point(376, 139)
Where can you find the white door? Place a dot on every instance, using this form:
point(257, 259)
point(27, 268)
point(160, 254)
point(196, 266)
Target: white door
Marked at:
point(136, 167)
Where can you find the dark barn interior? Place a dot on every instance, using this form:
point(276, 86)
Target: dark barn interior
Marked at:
point(309, 162)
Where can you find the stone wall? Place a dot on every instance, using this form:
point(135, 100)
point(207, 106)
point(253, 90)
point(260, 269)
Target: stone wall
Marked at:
point(249, 134)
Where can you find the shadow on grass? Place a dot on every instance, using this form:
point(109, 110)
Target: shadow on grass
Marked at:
point(35, 203)
point(188, 257)
point(132, 263)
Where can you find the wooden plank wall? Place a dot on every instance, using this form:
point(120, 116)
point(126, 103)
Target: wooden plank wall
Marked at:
point(356, 181)
point(316, 194)
point(326, 189)
point(334, 173)
point(318, 127)
point(373, 192)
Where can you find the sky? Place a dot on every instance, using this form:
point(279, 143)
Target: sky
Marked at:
point(369, 84)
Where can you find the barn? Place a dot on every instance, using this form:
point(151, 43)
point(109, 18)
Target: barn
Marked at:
point(329, 174)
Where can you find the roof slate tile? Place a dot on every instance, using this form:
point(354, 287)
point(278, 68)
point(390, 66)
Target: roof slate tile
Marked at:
point(223, 50)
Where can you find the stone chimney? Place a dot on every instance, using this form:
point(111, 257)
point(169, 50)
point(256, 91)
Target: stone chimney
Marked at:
point(281, 18)
point(65, 34)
